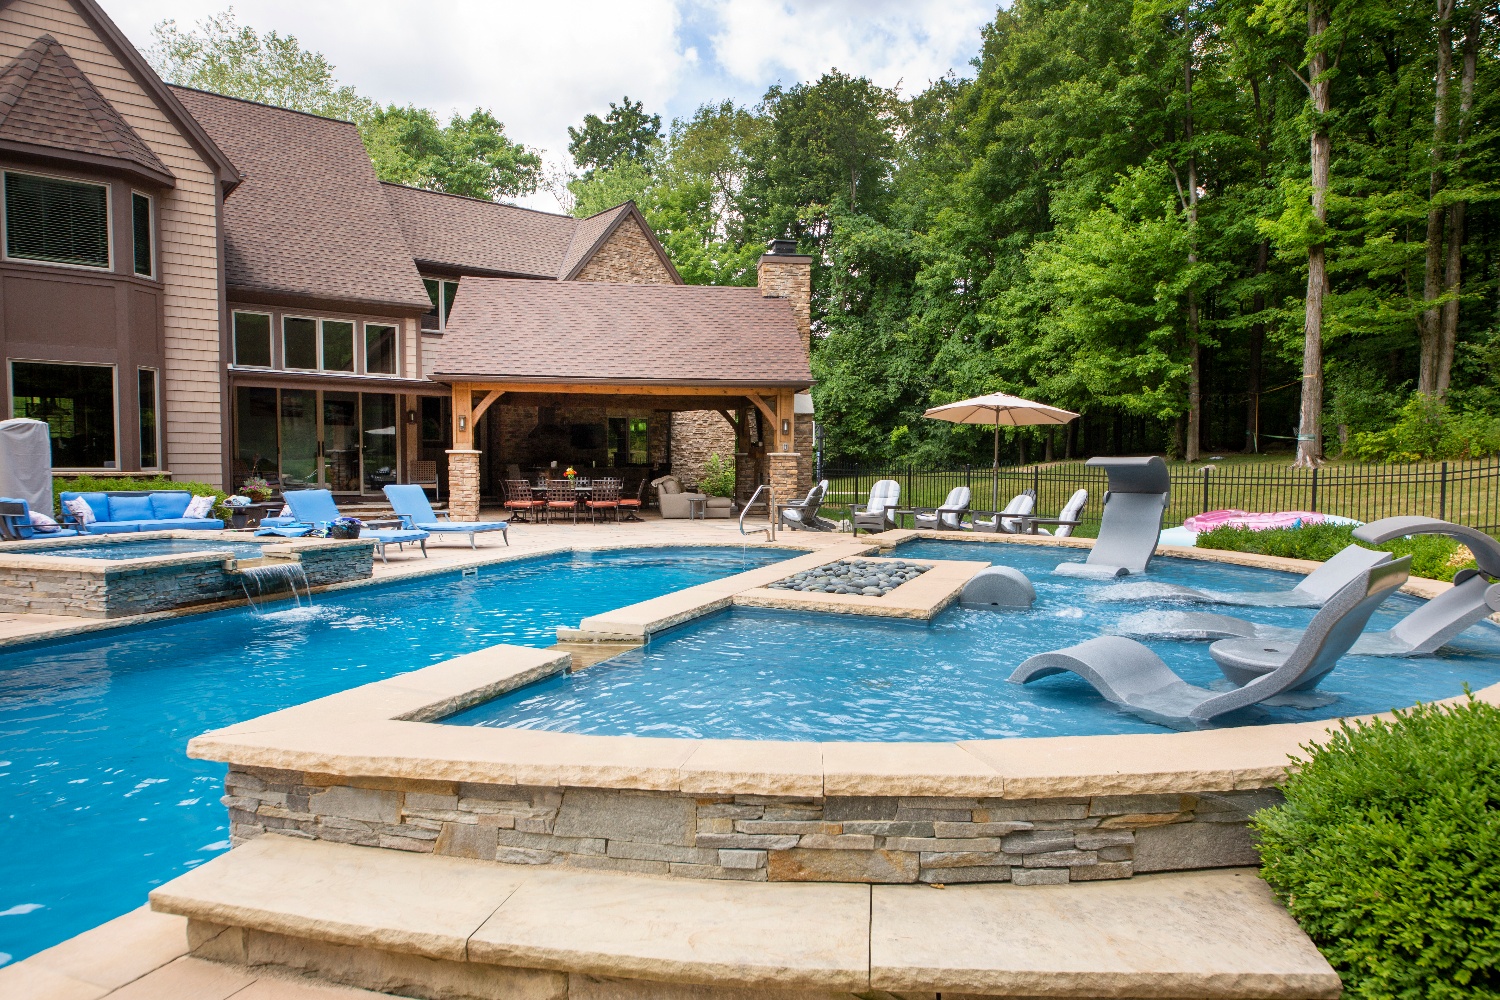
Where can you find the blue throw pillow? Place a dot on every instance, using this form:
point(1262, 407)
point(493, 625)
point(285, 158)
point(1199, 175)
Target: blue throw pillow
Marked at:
point(131, 509)
point(98, 503)
point(169, 504)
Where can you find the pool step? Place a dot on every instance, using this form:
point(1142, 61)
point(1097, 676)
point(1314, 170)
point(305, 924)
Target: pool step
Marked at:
point(431, 926)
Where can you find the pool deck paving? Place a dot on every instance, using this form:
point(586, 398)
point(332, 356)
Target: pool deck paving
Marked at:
point(449, 927)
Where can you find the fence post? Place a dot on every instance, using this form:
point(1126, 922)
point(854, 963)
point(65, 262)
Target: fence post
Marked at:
point(969, 477)
point(1205, 490)
point(911, 498)
point(1314, 506)
point(1443, 495)
point(1035, 479)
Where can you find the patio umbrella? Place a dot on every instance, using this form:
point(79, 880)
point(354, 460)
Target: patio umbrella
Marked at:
point(1000, 410)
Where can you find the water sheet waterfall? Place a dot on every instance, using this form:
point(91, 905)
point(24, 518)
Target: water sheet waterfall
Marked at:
point(268, 579)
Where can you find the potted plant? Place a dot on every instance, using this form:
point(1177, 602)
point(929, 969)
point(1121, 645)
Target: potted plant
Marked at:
point(570, 473)
point(345, 527)
point(257, 489)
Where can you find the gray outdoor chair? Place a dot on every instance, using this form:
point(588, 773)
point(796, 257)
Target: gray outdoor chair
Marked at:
point(1066, 520)
point(804, 515)
point(1007, 521)
point(875, 515)
point(1129, 675)
point(1134, 507)
point(948, 517)
point(1314, 589)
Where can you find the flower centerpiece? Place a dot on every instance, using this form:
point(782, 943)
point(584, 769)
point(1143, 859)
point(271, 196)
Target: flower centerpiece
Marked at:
point(345, 527)
point(257, 489)
point(570, 472)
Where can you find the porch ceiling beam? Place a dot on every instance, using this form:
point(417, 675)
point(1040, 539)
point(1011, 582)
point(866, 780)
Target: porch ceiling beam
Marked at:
point(487, 401)
point(673, 403)
point(619, 389)
point(730, 419)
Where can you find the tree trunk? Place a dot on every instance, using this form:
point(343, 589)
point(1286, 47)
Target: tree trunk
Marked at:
point(1429, 324)
point(1194, 432)
point(1256, 347)
point(1309, 430)
point(1452, 277)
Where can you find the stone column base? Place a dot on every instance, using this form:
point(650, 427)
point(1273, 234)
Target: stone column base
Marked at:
point(463, 484)
point(785, 481)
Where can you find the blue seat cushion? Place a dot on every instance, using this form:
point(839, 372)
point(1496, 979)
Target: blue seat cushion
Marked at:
point(169, 503)
point(113, 527)
point(180, 523)
point(131, 509)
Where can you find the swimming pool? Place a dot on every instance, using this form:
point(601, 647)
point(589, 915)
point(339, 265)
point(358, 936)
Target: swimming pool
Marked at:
point(102, 804)
point(750, 674)
point(146, 548)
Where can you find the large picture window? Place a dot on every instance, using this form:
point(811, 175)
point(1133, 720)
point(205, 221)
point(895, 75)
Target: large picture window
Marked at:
point(77, 403)
point(338, 345)
point(144, 246)
point(150, 432)
point(55, 221)
point(252, 340)
point(299, 343)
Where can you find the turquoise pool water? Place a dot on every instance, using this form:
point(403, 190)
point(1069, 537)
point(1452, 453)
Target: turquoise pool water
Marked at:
point(751, 674)
point(148, 547)
point(99, 803)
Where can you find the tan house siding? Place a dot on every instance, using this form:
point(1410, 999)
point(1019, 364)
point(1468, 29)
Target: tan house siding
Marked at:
point(627, 256)
point(187, 243)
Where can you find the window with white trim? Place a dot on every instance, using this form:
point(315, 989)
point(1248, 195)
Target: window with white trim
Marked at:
point(299, 343)
point(252, 339)
point(143, 235)
point(442, 292)
point(380, 349)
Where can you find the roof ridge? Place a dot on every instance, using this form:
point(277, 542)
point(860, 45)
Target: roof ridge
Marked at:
point(483, 201)
point(263, 104)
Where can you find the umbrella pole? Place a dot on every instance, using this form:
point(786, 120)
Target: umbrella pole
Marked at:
point(995, 467)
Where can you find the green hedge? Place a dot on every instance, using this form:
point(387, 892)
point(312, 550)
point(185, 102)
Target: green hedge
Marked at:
point(104, 484)
point(1432, 556)
point(1387, 852)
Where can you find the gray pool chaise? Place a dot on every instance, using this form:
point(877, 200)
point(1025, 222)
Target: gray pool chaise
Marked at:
point(1133, 510)
point(1313, 590)
point(1128, 674)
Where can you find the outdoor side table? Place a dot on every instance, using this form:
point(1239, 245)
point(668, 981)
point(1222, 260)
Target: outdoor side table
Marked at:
point(900, 512)
point(698, 508)
point(247, 516)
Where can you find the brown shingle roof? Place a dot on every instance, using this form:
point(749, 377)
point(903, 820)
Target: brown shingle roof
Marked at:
point(309, 220)
point(47, 101)
point(521, 330)
point(474, 235)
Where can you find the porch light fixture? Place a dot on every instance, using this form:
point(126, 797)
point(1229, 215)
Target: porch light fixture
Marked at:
point(786, 427)
point(463, 423)
point(411, 416)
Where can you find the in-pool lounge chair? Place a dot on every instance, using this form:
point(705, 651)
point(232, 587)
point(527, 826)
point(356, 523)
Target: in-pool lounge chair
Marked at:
point(876, 513)
point(1423, 632)
point(316, 509)
point(1134, 507)
point(1008, 520)
point(948, 517)
point(804, 515)
point(410, 504)
point(1128, 674)
point(1311, 592)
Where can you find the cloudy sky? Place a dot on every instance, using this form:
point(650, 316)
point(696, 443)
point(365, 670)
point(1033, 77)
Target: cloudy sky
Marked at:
point(541, 66)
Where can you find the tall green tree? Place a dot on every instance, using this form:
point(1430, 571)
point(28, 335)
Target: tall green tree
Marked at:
point(626, 134)
point(469, 156)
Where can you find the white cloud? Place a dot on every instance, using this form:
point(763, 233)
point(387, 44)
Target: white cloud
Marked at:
point(542, 67)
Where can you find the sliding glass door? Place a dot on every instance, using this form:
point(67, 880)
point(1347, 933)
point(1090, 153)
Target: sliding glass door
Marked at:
point(310, 438)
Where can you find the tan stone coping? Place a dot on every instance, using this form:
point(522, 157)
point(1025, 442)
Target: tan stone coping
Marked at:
point(1208, 934)
point(24, 555)
point(380, 730)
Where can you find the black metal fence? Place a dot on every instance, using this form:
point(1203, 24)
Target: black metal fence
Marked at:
point(1462, 492)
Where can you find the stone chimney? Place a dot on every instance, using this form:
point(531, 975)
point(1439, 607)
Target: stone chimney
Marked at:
point(783, 273)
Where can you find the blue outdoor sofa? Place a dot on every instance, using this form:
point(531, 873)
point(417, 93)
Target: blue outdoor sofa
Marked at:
point(121, 511)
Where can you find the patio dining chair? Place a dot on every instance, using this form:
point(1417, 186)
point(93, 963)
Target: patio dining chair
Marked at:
point(561, 498)
point(605, 498)
point(518, 499)
point(632, 506)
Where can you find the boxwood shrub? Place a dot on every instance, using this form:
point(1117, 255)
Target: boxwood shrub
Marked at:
point(1387, 852)
point(1435, 557)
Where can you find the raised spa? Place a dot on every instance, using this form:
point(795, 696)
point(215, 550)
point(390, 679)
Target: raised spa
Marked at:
point(751, 674)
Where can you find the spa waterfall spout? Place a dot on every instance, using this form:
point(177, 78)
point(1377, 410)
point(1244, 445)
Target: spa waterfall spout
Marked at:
point(268, 578)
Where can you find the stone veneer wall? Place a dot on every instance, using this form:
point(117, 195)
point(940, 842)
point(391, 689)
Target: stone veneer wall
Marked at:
point(626, 256)
point(757, 837)
point(118, 590)
point(697, 434)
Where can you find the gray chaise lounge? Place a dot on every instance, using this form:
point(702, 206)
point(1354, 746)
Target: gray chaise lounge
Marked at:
point(1313, 590)
point(1128, 674)
point(1133, 510)
point(1421, 633)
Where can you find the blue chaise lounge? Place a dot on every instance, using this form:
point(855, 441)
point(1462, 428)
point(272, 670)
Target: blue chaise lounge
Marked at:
point(316, 509)
point(409, 502)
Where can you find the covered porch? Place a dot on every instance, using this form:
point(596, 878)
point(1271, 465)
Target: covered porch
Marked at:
point(633, 430)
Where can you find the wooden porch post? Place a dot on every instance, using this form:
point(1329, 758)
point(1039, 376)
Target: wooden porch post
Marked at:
point(463, 460)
